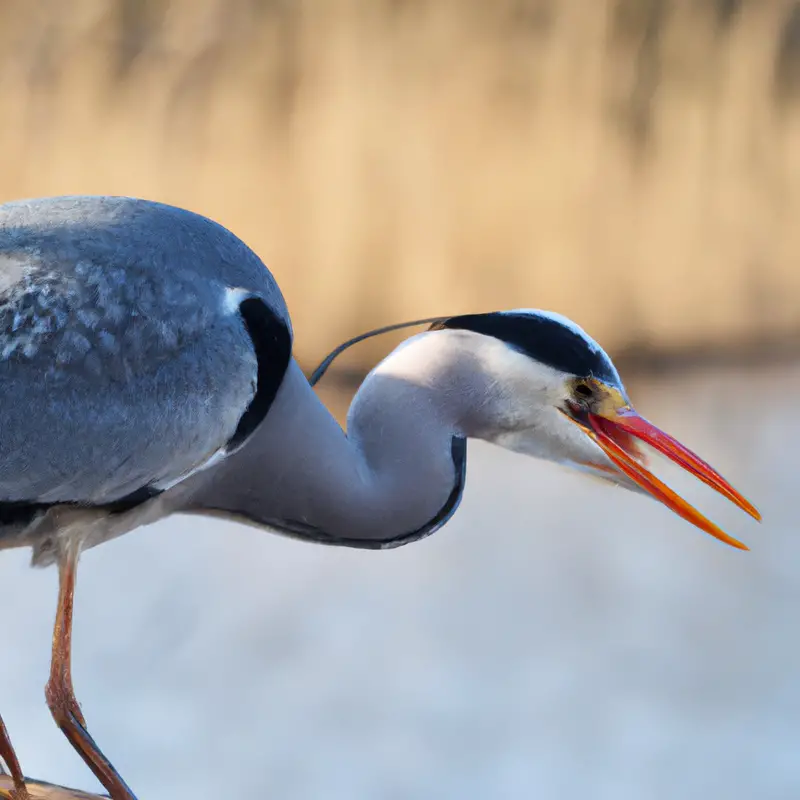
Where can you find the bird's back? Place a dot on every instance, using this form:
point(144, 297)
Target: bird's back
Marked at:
point(125, 233)
point(124, 360)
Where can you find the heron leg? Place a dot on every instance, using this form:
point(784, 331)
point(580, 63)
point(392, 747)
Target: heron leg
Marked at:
point(59, 692)
point(9, 756)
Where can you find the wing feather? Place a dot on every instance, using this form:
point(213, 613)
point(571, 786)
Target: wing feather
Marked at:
point(113, 377)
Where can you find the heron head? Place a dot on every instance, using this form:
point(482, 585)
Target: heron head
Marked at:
point(557, 395)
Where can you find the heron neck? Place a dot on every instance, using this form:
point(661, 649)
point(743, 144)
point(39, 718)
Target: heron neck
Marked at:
point(389, 476)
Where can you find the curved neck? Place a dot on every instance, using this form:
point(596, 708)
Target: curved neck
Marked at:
point(392, 478)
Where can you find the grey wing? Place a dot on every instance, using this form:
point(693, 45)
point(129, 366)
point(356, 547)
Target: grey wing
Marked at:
point(112, 380)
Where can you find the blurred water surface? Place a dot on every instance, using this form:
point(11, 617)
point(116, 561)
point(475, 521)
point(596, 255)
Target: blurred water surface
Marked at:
point(558, 639)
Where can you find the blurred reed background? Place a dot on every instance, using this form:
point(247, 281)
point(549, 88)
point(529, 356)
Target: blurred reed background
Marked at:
point(631, 163)
point(634, 164)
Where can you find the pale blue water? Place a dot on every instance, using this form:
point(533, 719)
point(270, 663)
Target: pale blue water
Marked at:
point(558, 639)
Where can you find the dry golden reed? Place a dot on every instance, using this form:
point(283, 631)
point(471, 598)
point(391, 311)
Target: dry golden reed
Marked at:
point(634, 164)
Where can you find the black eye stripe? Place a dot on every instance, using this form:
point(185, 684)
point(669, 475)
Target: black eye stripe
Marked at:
point(543, 339)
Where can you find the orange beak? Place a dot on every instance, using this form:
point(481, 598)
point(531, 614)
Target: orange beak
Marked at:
point(616, 431)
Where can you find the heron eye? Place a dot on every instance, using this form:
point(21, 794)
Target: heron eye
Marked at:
point(584, 390)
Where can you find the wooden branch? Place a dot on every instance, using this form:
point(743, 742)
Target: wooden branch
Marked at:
point(38, 790)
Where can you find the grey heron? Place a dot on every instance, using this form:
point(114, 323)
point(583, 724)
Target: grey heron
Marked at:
point(147, 369)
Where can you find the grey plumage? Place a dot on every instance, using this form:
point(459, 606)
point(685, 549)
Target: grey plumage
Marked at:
point(116, 335)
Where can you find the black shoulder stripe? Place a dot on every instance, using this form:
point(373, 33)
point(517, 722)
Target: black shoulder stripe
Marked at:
point(542, 338)
point(273, 346)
